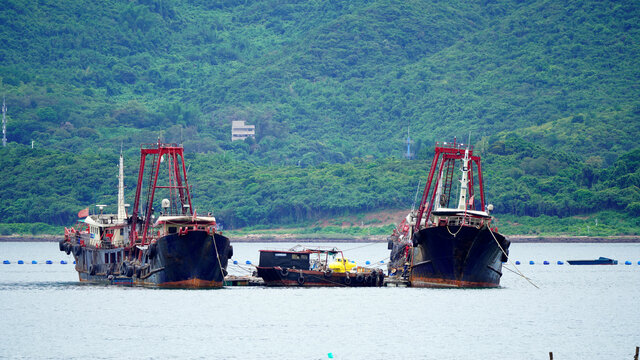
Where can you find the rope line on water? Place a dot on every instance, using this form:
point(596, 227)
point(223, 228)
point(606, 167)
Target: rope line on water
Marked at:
point(360, 247)
point(242, 268)
point(509, 260)
point(377, 263)
point(513, 271)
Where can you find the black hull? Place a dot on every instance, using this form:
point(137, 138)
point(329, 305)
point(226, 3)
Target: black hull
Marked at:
point(180, 261)
point(471, 258)
point(276, 276)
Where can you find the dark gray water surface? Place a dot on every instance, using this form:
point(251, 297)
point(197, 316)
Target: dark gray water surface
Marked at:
point(579, 312)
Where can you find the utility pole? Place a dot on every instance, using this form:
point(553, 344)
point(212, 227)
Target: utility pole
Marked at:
point(4, 123)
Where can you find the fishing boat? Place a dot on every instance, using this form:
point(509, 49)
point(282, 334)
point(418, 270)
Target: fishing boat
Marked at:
point(312, 268)
point(600, 261)
point(178, 248)
point(441, 245)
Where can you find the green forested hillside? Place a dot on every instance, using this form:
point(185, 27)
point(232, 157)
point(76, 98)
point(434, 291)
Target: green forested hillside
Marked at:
point(548, 92)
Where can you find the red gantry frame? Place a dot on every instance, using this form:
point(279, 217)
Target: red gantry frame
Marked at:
point(173, 156)
point(446, 154)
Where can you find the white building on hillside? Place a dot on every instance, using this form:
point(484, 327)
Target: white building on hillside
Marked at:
point(241, 131)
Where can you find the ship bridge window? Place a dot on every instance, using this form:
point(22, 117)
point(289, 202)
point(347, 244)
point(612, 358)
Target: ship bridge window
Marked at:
point(172, 229)
point(279, 254)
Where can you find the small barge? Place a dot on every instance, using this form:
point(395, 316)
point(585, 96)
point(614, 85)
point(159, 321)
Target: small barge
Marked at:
point(311, 268)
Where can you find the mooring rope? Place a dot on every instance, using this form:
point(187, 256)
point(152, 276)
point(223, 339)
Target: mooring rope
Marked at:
point(362, 246)
point(250, 271)
point(509, 260)
point(218, 255)
point(377, 264)
point(514, 272)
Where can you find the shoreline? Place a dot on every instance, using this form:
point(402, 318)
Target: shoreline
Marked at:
point(373, 238)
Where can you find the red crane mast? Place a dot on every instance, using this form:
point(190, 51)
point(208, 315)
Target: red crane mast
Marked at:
point(444, 158)
point(173, 156)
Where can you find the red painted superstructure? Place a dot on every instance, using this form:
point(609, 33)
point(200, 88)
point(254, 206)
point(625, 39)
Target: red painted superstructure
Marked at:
point(177, 185)
point(445, 156)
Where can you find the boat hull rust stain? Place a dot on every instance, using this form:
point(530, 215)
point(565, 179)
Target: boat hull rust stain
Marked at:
point(179, 261)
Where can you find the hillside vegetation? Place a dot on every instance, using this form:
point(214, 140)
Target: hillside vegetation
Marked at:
point(548, 92)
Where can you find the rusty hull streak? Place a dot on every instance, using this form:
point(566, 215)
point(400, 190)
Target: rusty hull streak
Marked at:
point(192, 283)
point(443, 283)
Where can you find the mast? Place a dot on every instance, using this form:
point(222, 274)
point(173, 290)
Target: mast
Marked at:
point(4, 123)
point(445, 156)
point(438, 202)
point(122, 214)
point(464, 182)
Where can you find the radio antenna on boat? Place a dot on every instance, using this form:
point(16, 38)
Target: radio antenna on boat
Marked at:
point(415, 198)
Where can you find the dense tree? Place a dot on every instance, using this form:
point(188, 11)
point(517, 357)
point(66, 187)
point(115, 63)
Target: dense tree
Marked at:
point(547, 91)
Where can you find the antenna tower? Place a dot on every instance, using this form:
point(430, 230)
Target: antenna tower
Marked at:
point(409, 154)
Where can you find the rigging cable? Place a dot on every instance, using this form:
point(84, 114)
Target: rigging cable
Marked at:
point(218, 257)
point(359, 247)
point(510, 262)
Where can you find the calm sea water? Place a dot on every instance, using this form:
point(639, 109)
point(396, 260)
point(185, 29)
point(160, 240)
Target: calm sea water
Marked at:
point(579, 312)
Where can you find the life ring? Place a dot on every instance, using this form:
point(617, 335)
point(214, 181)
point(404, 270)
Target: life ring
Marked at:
point(67, 248)
point(284, 272)
point(301, 279)
point(367, 279)
point(347, 279)
point(359, 278)
point(327, 273)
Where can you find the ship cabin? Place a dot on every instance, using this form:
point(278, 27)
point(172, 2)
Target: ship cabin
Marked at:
point(106, 231)
point(180, 224)
point(457, 217)
point(306, 259)
point(285, 259)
